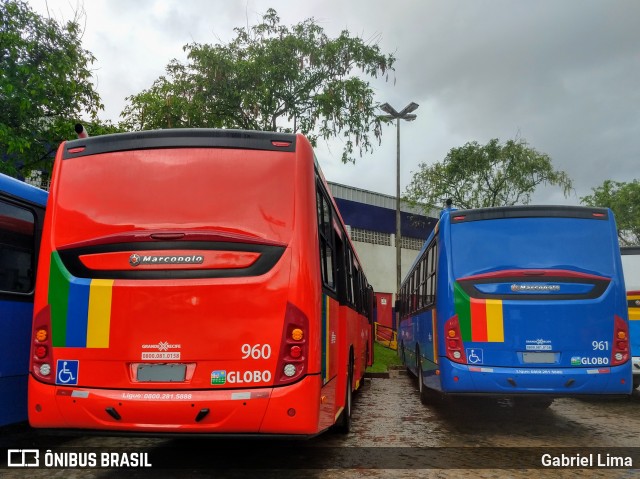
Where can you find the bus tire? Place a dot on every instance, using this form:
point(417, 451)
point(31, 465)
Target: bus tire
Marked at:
point(343, 426)
point(636, 381)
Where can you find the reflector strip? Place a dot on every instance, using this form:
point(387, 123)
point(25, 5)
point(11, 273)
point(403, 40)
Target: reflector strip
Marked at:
point(476, 369)
point(244, 395)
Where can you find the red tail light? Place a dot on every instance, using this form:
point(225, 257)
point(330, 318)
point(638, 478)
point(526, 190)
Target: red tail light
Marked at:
point(453, 341)
point(294, 348)
point(41, 347)
point(620, 351)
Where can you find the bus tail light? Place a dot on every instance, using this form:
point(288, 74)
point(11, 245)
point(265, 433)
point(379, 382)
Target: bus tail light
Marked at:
point(294, 348)
point(453, 340)
point(620, 350)
point(41, 347)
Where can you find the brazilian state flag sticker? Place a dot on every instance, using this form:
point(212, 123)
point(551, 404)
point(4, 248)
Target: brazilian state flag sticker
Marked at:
point(218, 377)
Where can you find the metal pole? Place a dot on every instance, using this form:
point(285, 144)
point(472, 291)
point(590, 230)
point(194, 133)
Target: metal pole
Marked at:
point(398, 222)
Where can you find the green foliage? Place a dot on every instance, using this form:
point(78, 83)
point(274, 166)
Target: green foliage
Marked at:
point(476, 176)
point(45, 86)
point(624, 200)
point(383, 358)
point(270, 77)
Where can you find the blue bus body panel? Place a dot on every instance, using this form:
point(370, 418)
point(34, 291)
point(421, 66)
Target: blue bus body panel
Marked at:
point(537, 380)
point(24, 191)
point(16, 311)
point(15, 324)
point(536, 299)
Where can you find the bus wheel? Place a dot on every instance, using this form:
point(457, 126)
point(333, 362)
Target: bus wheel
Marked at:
point(636, 381)
point(343, 425)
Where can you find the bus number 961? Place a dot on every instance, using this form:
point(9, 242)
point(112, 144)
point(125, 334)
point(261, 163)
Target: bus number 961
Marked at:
point(600, 345)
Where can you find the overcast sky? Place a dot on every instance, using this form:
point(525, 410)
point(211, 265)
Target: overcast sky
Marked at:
point(562, 74)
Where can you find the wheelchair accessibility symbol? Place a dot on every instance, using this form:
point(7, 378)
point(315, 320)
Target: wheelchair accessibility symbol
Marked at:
point(474, 356)
point(67, 372)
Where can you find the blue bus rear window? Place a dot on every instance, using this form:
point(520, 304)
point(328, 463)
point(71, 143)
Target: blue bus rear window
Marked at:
point(583, 245)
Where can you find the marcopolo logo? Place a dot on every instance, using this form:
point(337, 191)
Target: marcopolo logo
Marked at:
point(534, 288)
point(136, 259)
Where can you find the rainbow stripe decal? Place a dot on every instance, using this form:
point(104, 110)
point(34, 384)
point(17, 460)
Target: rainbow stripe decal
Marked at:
point(480, 319)
point(80, 308)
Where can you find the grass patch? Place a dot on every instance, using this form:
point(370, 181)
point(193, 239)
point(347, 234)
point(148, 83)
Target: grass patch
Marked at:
point(383, 358)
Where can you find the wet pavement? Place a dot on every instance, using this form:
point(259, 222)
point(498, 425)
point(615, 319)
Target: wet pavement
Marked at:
point(393, 435)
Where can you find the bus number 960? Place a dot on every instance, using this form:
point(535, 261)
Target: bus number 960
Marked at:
point(257, 351)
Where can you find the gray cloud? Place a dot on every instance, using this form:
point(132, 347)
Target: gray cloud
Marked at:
point(561, 74)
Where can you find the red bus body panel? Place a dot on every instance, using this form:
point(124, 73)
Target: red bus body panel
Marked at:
point(116, 338)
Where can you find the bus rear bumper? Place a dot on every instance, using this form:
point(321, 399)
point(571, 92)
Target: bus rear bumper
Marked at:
point(287, 410)
point(559, 382)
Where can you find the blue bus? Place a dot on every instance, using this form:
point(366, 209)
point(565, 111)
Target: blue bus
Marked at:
point(523, 302)
point(22, 209)
point(631, 266)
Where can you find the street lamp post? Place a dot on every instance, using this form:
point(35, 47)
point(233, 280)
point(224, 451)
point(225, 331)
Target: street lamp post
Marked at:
point(392, 114)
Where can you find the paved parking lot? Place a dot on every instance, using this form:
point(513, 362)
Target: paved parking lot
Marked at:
point(393, 435)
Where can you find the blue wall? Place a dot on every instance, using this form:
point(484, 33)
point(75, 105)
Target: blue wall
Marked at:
point(376, 218)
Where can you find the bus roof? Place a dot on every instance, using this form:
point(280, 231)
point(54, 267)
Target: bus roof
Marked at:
point(530, 211)
point(521, 211)
point(181, 138)
point(22, 190)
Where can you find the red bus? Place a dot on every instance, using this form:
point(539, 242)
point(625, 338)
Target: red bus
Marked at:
point(196, 281)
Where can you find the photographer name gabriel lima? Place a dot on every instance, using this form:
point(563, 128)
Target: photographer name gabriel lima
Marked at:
point(586, 460)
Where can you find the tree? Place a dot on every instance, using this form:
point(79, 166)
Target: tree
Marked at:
point(45, 87)
point(624, 200)
point(476, 176)
point(271, 77)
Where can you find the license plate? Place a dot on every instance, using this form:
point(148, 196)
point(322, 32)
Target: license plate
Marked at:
point(161, 373)
point(540, 358)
